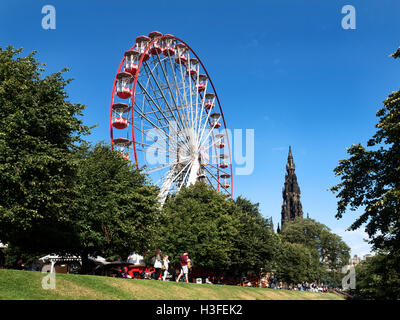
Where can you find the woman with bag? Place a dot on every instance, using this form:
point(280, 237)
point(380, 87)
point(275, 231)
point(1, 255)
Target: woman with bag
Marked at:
point(157, 264)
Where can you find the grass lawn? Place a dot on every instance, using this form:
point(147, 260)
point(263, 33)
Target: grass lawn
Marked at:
point(16, 285)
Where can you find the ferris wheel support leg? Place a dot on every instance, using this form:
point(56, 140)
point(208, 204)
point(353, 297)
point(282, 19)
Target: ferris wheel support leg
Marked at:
point(162, 196)
point(194, 172)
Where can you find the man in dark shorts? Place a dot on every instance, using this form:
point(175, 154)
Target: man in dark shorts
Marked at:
point(184, 266)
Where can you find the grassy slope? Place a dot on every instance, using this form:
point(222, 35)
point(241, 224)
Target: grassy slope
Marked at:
point(27, 285)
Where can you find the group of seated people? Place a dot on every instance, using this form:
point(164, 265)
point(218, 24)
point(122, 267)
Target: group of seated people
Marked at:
point(36, 265)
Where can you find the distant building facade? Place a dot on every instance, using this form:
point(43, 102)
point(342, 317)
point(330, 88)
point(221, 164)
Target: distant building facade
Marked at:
point(354, 261)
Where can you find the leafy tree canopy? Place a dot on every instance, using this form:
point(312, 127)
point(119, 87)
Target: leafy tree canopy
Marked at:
point(58, 194)
point(202, 221)
point(255, 244)
point(377, 278)
point(370, 179)
point(114, 208)
point(296, 263)
point(330, 252)
point(38, 130)
point(331, 249)
point(219, 233)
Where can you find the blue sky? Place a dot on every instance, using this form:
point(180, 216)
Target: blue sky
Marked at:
point(285, 68)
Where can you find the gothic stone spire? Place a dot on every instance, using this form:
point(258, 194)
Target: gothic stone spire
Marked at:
point(290, 167)
point(291, 207)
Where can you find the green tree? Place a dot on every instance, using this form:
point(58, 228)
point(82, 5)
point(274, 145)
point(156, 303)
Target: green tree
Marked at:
point(296, 263)
point(330, 252)
point(38, 130)
point(200, 220)
point(376, 277)
point(115, 208)
point(370, 179)
point(254, 245)
point(370, 182)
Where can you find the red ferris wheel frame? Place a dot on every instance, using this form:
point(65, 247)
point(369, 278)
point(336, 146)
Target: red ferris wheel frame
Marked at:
point(133, 102)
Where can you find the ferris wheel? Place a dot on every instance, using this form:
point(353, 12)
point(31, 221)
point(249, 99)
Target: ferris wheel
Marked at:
point(166, 116)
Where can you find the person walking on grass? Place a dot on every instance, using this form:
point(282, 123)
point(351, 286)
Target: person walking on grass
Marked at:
point(165, 267)
point(157, 264)
point(184, 266)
